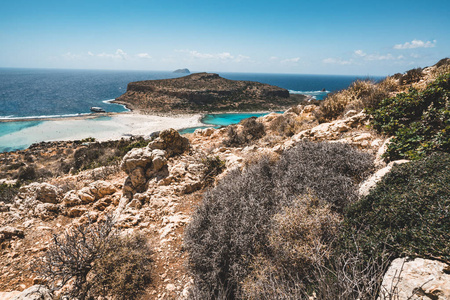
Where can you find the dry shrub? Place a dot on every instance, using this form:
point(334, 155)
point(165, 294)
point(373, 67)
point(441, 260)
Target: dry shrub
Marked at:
point(411, 76)
point(360, 95)
point(124, 271)
point(289, 124)
point(300, 238)
point(251, 130)
point(92, 260)
point(234, 223)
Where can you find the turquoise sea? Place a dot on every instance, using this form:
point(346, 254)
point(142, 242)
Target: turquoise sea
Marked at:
point(27, 94)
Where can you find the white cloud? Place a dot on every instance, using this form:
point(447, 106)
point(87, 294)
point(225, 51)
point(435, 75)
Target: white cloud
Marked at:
point(337, 61)
point(291, 60)
point(143, 55)
point(377, 56)
point(416, 44)
point(70, 55)
point(360, 53)
point(223, 56)
point(90, 53)
point(119, 54)
point(273, 58)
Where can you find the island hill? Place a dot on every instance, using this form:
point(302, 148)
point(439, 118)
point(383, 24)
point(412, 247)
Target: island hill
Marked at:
point(205, 92)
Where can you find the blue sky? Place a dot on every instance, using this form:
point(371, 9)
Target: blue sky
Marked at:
point(304, 37)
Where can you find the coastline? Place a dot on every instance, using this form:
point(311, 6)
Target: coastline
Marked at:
point(104, 127)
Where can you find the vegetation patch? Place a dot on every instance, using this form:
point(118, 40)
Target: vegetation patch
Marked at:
point(407, 213)
point(418, 120)
point(244, 217)
point(92, 260)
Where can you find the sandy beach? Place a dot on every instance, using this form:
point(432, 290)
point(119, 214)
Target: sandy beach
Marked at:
point(102, 128)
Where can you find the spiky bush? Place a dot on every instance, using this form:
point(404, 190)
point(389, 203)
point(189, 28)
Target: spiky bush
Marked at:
point(360, 95)
point(92, 260)
point(233, 224)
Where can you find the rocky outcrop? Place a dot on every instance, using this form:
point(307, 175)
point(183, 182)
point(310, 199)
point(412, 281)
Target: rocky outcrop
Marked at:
point(89, 194)
point(142, 164)
point(204, 92)
point(371, 182)
point(36, 292)
point(38, 199)
point(416, 279)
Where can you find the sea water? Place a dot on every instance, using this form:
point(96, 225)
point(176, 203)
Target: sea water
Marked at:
point(45, 93)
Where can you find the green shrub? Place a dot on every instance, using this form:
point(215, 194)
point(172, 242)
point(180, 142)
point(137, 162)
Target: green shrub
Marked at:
point(419, 121)
point(407, 213)
point(233, 224)
point(8, 192)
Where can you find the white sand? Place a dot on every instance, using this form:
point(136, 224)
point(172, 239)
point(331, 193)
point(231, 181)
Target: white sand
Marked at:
point(102, 128)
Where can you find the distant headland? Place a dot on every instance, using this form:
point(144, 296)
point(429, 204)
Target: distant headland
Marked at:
point(182, 71)
point(205, 92)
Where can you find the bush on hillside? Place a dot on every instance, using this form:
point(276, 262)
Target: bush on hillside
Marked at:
point(411, 76)
point(252, 130)
point(407, 213)
point(360, 95)
point(92, 260)
point(9, 191)
point(233, 224)
point(419, 121)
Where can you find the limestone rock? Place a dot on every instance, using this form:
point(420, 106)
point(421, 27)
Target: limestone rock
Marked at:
point(43, 192)
point(137, 157)
point(371, 182)
point(416, 279)
point(36, 292)
point(170, 141)
point(142, 164)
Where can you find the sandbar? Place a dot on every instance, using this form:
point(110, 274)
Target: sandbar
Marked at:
point(102, 128)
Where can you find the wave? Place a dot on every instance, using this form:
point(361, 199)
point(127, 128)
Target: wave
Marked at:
point(110, 100)
point(314, 94)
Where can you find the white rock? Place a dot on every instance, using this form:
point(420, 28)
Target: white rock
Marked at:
point(36, 292)
point(416, 279)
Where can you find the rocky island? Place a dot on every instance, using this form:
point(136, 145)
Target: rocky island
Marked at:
point(205, 92)
point(182, 71)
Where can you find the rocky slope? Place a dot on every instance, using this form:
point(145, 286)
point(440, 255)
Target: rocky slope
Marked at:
point(155, 190)
point(204, 92)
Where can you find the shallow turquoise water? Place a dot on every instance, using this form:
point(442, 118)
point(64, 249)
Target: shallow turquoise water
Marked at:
point(229, 118)
point(219, 120)
point(10, 127)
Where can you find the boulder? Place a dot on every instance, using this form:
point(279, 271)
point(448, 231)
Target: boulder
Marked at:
point(137, 157)
point(35, 292)
point(416, 279)
point(142, 164)
point(43, 192)
point(371, 182)
point(170, 141)
point(101, 189)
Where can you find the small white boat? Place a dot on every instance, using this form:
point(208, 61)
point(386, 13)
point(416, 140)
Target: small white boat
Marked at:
point(96, 109)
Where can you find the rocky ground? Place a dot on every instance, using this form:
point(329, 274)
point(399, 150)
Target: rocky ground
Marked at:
point(155, 191)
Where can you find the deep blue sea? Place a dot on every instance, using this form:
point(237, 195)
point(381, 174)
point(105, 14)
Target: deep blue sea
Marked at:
point(31, 93)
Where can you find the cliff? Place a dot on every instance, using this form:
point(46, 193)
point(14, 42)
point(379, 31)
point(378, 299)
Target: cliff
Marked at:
point(204, 92)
